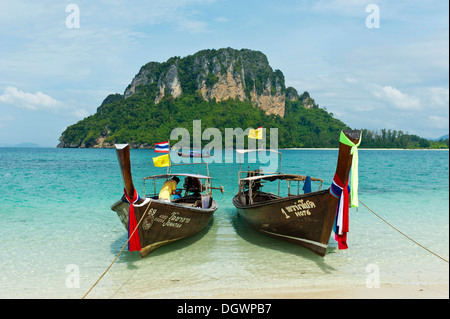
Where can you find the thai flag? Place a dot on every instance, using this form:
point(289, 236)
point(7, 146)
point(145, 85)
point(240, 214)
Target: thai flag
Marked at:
point(162, 147)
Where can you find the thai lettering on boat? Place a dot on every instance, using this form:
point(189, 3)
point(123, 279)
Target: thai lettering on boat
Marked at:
point(174, 220)
point(299, 209)
point(300, 206)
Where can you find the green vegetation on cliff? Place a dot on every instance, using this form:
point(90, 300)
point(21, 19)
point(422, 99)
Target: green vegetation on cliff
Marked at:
point(138, 121)
point(141, 123)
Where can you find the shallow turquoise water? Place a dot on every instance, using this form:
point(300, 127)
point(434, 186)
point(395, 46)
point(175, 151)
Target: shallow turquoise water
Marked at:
point(58, 234)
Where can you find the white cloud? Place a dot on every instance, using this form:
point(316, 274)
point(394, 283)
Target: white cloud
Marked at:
point(439, 96)
point(38, 102)
point(438, 121)
point(80, 113)
point(29, 101)
point(222, 19)
point(192, 26)
point(350, 80)
point(4, 119)
point(397, 99)
point(347, 7)
point(182, 14)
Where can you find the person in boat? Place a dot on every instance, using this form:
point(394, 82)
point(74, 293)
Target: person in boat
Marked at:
point(169, 188)
point(256, 185)
point(192, 184)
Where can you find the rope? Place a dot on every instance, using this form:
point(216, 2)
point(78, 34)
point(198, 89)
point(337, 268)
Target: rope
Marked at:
point(119, 252)
point(403, 233)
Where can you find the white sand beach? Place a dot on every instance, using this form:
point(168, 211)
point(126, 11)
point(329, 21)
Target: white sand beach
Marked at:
point(383, 292)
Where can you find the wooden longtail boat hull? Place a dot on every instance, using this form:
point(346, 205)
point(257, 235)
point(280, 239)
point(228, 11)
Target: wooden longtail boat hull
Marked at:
point(305, 220)
point(164, 223)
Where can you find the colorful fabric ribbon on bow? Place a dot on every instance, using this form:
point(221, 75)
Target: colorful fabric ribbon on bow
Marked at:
point(134, 242)
point(354, 174)
point(341, 191)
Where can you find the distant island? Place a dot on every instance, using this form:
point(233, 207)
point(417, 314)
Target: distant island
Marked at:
point(21, 145)
point(442, 138)
point(223, 88)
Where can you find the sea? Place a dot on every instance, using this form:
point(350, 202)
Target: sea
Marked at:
point(59, 238)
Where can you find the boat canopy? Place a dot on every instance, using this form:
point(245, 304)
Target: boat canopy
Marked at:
point(273, 177)
point(206, 188)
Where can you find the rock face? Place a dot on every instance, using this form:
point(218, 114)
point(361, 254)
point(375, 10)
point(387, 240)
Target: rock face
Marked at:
point(214, 75)
point(217, 74)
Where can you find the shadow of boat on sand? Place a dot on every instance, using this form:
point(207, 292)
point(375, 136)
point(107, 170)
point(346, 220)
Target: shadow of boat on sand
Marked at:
point(256, 238)
point(134, 256)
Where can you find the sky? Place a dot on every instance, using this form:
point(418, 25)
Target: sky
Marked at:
point(373, 64)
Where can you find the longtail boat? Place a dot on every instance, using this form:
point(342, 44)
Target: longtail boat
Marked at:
point(194, 154)
point(305, 219)
point(159, 222)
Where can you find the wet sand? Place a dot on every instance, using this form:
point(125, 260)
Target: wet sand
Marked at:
point(383, 292)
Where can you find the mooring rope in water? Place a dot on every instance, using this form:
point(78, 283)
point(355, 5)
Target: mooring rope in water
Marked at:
point(403, 233)
point(143, 215)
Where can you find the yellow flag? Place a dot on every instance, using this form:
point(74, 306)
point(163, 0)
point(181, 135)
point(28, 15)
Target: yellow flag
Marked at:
point(161, 161)
point(256, 134)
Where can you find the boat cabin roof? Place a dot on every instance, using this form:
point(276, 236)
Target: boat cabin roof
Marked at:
point(166, 176)
point(273, 177)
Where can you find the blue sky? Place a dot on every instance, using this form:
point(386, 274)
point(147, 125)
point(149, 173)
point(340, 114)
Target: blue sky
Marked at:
point(394, 77)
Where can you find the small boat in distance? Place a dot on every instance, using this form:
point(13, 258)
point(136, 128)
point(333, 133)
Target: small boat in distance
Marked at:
point(163, 221)
point(304, 219)
point(194, 154)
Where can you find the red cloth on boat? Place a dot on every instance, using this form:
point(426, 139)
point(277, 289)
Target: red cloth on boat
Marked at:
point(134, 242)
point(342, 221)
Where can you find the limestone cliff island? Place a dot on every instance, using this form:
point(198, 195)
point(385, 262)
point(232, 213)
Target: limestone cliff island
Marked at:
point(223, 88)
